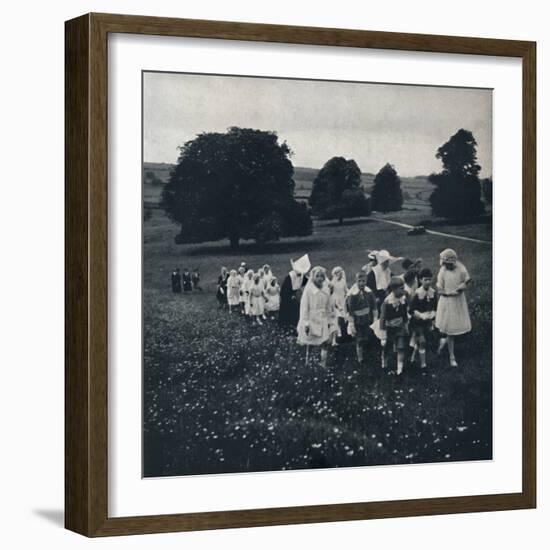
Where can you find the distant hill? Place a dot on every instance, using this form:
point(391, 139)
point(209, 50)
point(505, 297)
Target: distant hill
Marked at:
point(416, 189)
point(161, 170)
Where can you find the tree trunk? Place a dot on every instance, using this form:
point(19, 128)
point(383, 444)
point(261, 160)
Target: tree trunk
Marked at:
point(340, 221)
point(234, 242)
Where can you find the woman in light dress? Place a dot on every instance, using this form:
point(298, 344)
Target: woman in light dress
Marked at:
point(316, 313)
point(381, 276)
point(452, 317)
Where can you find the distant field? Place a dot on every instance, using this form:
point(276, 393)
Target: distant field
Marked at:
point(416, 190)
point(221, 395)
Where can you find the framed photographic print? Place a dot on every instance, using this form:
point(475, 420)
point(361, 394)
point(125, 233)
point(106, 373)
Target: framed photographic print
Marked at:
point(282, 248)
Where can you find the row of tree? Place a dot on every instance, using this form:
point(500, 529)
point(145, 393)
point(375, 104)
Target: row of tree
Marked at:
point(239, 185)
point(337, 192)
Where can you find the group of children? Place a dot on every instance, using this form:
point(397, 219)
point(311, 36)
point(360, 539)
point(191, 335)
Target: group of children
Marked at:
point(400, 311)
point(254, 294)
point(186, 281)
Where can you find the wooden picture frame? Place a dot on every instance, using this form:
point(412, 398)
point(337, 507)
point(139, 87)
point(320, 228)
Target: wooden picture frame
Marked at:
point(86, 283)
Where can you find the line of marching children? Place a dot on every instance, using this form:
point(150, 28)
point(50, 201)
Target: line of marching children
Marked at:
point(254, 294)
point(400, 311)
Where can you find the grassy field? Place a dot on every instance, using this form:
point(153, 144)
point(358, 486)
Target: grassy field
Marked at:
point(221, 395)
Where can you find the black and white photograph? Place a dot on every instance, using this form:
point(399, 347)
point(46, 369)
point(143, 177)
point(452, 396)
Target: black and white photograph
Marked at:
point(317, 267)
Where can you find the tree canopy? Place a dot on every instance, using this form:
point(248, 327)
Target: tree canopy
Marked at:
point(386, 193)
point(457, 192)
point(337, 191)
point(235, 185)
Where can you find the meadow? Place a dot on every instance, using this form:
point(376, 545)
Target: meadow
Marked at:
point(223, 395)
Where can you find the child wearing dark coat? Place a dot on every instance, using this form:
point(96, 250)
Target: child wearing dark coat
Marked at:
point(176, 281)
point(422, 308)
point(393, 321)
point(221, 292)
point(362, 311)
point(186, 281)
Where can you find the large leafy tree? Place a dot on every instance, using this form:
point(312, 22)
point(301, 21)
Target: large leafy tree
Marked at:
point(337, 191)
point(235, 185)
point(457, 192)
point(386, 192)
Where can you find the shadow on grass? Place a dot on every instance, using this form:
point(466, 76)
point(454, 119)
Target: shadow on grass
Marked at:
point(253, 248)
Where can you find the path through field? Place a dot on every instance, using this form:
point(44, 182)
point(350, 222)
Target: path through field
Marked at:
point(431, 232)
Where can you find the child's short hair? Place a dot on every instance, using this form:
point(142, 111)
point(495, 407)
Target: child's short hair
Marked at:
point(395, 282)
point(407, 263)
point(409, 276)
point(425, 274)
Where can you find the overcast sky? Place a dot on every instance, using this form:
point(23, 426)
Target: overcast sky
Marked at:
point(371, 123)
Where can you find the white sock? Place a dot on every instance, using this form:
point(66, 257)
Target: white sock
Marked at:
point(399, 366)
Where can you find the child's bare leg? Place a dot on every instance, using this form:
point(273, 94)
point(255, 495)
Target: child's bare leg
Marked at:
point(324, 354)
point(383, 355)
point(359, 350)
point(258, 320)
point(451, 345)
point(442, 342)
point(422, 352)
point(400, 360)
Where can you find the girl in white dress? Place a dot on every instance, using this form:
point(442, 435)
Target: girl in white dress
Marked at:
point(273, 293)
point(233, 287)
point(242, 296)
point(339, 294)
point(247, 285)
point(316, 312)
point(452, 317)
point(267, 275)
point(257, 299)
